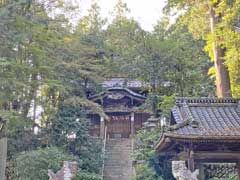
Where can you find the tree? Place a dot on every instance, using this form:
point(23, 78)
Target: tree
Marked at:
point(35, 164)
point(210, 16)
point(26, 58)
point(92, 23)
point(69, 130)
point(185, 62)
point(122, 37)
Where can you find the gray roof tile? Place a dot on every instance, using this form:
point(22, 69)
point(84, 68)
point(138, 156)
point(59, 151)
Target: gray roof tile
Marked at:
point(215, 117)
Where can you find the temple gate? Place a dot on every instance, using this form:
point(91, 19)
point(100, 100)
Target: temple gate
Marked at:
point(122, 106)
point(205, 134)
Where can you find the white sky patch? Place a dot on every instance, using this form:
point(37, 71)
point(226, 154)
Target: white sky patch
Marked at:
point(146, 12)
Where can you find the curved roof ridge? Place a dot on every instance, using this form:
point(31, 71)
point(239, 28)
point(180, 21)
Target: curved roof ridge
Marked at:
point(120, 89)
point(128, 90)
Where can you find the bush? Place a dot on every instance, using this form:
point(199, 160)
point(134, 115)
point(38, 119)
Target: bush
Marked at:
point(86, 176)
point(145, 172)
point(32, 165)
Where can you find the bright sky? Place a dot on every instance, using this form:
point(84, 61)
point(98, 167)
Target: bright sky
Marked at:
point(146, 12)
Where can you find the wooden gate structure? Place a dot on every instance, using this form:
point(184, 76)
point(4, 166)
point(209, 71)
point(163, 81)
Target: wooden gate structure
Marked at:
point(119, 126)
point(205, 133)
point(122, 107)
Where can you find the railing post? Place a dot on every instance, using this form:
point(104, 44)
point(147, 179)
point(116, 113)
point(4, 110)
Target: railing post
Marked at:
point(132, 124)
point(102, 127)
point(104, 150)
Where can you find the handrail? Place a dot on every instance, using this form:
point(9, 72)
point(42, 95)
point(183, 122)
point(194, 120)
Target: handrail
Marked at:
point(132, 143)
point(104, 150)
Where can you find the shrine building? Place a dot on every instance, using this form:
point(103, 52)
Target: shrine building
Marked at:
point(121, 102)
point(205, 134)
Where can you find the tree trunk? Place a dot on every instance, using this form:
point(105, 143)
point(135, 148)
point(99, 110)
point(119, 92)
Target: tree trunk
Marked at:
point(222, 74)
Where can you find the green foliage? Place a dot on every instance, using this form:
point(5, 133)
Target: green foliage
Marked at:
point(148, 165)
point(144, 154)
point(43, 63)
point(71, 121)
point(145, 172)
point(197, 14)
point(186, 63)
point(144, 143)
point(31, 165)
point(86, 176)
point(165, 105)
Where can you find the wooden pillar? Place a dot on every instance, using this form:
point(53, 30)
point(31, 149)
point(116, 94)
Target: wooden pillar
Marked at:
point(132, 124)
point(102, 127)
point(3, 157)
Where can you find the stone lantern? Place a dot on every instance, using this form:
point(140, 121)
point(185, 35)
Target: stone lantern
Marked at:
point(151, 123)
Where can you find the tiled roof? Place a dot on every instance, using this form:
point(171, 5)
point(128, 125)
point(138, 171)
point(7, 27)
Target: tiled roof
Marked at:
point(123, 82)
point(205, 117)
point(128, 83)
point(116, 90)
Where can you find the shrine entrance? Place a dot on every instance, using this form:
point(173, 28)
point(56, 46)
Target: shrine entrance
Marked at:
point(120, 105)
point(119, 126)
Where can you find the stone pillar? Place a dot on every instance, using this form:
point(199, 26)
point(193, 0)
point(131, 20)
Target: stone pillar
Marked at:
point(191, 161)
point(3, 157)
point(102, 127)
point(132, 124)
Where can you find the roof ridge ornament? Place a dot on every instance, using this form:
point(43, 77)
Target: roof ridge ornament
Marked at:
point(190, 118)
point(238, 106)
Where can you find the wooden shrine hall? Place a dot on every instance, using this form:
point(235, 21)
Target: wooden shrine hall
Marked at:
point(121, 106)
point(205, 134)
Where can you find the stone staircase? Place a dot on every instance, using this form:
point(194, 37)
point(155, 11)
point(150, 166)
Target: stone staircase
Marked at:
point(118, 162)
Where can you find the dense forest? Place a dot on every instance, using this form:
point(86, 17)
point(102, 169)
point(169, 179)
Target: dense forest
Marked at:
point(49, 66)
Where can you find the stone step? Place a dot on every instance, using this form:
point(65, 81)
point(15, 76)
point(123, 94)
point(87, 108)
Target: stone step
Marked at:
point(111, 165)
point(116, 177)
point(120, 157)
point(118, 161)
point(118, 151)
point(120, 171)
point(119, 146)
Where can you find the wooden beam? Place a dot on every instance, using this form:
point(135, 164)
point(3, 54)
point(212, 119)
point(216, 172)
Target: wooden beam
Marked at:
point(217, 156)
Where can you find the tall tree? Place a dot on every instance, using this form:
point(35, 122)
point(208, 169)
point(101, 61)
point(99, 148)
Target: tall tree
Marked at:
point(122, 38)
point(210, 15)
